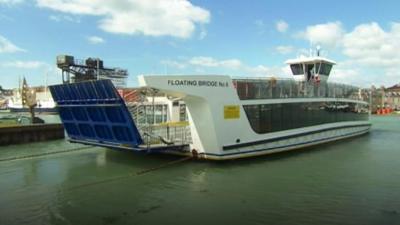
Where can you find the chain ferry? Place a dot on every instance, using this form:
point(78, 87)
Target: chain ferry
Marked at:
point(225, 118)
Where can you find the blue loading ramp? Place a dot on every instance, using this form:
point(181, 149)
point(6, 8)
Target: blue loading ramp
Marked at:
point(94, 113)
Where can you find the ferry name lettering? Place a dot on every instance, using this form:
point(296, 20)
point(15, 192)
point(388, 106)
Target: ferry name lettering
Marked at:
point(182, 82)
point(199, 83)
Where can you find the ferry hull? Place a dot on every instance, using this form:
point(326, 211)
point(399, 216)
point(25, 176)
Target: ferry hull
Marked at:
point(284, 143)
point(301, 142)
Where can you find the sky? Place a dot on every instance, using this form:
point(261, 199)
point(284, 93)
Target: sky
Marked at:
point(237, 38)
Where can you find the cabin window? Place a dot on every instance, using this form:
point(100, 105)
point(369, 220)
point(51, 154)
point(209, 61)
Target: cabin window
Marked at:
point(310, 71)
point(318, 68)
point(266, 118)
point(297, 69)
point(182, 113)
point(325, 69)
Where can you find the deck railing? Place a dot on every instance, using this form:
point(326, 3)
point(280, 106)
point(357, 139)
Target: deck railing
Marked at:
point(154, 126)
point(272, 88)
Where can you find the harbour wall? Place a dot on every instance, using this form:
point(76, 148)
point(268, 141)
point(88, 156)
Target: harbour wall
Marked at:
point(30, 133)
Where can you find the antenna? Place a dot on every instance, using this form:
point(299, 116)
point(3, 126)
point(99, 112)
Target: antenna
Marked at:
point(318, 50)
point(311, 48)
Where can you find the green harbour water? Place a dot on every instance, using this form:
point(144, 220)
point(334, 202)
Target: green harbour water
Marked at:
point(354, 181)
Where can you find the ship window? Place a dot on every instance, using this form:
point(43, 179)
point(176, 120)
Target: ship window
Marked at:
point(318, 68)
point(253, 115)
point(266, 118)
point(325, 69)
point(297, 69)
point(310, 71)
point(276, 118)
point(182, 113)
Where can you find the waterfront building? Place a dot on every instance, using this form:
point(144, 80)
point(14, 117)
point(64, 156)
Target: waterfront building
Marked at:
point(385, 98)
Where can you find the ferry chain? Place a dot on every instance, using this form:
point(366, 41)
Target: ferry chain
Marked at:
point(44, 154)
point(133, 174)
point(101, 181)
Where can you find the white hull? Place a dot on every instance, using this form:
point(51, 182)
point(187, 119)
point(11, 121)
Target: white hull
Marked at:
point(301, 141)
point(294, 143)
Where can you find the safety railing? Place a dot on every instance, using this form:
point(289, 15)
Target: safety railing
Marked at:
point(155, 127)
point(272, 88)
point(177, 133)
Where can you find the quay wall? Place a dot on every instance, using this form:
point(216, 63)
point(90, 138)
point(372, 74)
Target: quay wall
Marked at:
point(30, 133)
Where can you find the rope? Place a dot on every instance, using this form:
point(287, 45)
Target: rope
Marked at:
point(43, 154)
point(133, 174)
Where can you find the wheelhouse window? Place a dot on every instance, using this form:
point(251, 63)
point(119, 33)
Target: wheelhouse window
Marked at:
point(297, 69)
point(325, 69)
point(318, 68)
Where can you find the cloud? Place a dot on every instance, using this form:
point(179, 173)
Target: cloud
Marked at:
point(328, 34)
point(370, 45)
point(6, 18)
point(203, 34)
point(371, 55)
point(259, 23)
point(265, 71)
point(176, 18)
point(24, 64)
point(211, 62)
point(95, 40)
point(204, 64)
point(282, 26)
point(173, 64)
point(345, 73)
point(284, 49)
point(11, 2)
point(7, 46)
point(259, 70)
point(60, 18)
point(348, 73)
point(204, 61)
point(261, 27)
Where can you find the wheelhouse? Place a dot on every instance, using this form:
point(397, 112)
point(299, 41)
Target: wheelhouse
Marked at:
point(311, 68)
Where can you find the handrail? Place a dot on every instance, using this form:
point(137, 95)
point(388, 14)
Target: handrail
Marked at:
point(276, 88)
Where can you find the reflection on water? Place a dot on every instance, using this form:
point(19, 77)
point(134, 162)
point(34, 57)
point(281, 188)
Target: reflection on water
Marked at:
point(350, 182)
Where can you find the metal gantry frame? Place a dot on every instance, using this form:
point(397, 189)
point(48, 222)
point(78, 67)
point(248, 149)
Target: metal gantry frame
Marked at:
point(77, 70)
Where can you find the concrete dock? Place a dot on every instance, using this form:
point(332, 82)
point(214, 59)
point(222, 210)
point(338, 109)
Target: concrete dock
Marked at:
point(17, 134)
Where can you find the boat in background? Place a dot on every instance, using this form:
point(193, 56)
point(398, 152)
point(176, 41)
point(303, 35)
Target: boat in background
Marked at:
point(228, 118)
point(45, 104)
point(44, 101)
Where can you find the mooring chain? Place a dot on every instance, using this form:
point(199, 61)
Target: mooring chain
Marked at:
point(132, 174)
point(43, 154)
